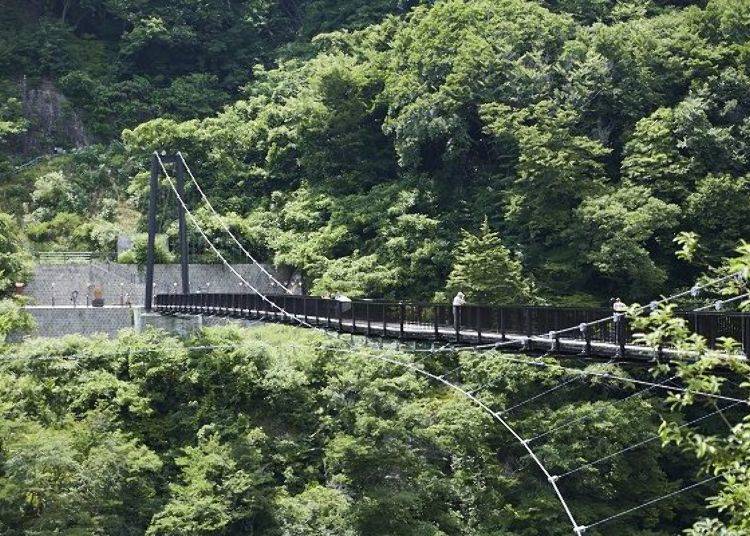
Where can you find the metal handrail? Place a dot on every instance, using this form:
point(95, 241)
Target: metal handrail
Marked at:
point(390, 318)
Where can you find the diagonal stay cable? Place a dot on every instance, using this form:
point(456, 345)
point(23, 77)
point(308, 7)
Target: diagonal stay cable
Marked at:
point(648, 503)
point(392, 361)
point(228, 230)
point(221, 256)
point(625, 379)
point(495, 415)
point(567, 424)
point(540, 395)
point(644, 442)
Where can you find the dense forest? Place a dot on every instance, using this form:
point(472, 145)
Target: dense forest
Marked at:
point(153, 435)
point(521, 151)
point(365, 143)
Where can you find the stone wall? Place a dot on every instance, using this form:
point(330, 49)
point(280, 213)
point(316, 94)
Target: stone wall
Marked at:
point(61, 321)
point(121, 282)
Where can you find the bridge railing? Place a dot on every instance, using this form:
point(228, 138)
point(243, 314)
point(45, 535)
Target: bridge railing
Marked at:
point(437, 322)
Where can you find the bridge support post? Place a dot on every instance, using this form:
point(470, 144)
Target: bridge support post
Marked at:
point(479, 325)
point(436, 313)
point(401, 315)
point(369, 321)
point(184, 253)
point(152, 202)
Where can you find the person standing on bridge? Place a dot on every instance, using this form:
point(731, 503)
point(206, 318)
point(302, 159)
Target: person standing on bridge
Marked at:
point(458, 302)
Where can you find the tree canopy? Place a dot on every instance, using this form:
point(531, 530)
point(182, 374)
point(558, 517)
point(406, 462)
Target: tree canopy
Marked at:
point(236, 431)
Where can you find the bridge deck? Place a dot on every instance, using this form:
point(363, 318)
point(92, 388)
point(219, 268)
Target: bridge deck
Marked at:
point(443, 334)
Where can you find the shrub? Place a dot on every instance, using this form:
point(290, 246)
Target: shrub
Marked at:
point(137, 255)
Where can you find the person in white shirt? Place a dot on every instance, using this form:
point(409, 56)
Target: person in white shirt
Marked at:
point(458, 302)
point(618, 306)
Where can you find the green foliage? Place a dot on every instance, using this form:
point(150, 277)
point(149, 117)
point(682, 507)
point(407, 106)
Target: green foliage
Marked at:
point(15, 263)
point(723, 453)
point(486, 271)
point(14, 320)
point(138, 253)
point(317, 511)
point(11, 119)
point(618, 225)
point(253, 434)
point(360, 164)
point(221, 489)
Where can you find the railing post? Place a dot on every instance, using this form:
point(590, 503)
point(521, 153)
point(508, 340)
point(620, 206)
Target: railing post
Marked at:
point(501, 314)
point(527, 321)
point(618, 320)
point(746, 334)
point(369, 322)
point(586, 331)
point(696, 327)
point(457, 310)
point(479, 325)
point(354, 319)
point(385, 321)
point(304, 308)
point(436, 313)
point(339, 309)
point(401, 315)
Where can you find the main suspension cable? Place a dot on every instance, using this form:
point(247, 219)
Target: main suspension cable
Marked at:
point(228, 230)
point(474, 399)
point(221, 256)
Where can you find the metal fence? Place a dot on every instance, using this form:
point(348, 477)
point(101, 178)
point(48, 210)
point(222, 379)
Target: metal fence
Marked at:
point(65, 257)
point(479, 323)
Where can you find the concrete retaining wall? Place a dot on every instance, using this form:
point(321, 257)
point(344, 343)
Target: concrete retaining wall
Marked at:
point(67, 320)
point(121, 282)
point(60, 321)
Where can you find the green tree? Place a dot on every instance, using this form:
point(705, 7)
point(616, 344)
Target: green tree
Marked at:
point(15, 263)
point(14, 320)
point(486, 271)
point(218, 493)
point(723, 453)
point(616, 230)
point(138, 253)
point(316, 511)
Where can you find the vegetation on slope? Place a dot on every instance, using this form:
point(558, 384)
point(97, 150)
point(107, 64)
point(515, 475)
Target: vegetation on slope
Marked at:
point(146, 435)
point(588, 134)
point(588, 148)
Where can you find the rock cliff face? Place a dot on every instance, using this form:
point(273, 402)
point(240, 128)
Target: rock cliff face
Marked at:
point(52, 120)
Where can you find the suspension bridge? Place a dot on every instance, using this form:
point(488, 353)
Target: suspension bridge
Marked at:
point(590, 332)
